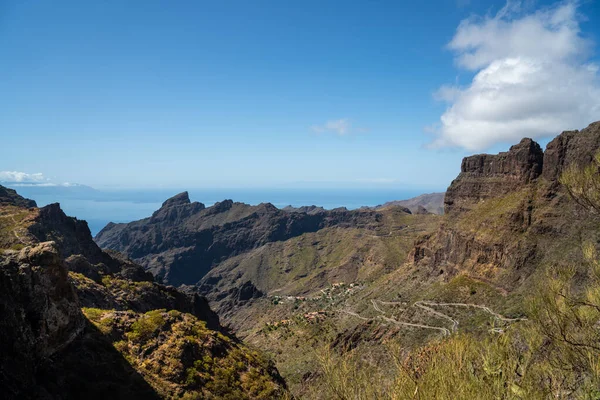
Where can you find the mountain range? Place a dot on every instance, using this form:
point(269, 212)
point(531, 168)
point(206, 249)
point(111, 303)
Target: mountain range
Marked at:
point(243, 301)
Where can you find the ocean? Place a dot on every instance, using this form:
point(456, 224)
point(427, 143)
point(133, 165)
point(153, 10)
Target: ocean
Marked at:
point(99, 207)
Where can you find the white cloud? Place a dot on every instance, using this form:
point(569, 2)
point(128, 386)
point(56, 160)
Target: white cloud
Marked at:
point(340, 127)
point(24, 179)
point(21, 177)
point(531, 78)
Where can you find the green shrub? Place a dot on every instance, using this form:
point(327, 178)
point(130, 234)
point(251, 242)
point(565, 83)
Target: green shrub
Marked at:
point(146, 325)
point(93, 314)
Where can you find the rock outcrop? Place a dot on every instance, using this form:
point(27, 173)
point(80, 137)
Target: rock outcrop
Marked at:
point(39, 314)
point(9, 196)
point(483, 176)
point(570, 148)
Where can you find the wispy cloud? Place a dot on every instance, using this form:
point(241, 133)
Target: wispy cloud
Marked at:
point(340, 127)
point(532, 78)
point(16, 178)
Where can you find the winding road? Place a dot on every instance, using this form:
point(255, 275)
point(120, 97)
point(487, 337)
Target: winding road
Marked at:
point(427, 306)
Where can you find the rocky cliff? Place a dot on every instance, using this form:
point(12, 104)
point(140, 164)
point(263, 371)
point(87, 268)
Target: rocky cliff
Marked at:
point(80, 322)
point(507, 213)
point(484, 176)
point(182, 241)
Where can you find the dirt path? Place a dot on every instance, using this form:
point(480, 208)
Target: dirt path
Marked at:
point(468, 305)
point(426, 306)
point(444, 331)
point(19, 238)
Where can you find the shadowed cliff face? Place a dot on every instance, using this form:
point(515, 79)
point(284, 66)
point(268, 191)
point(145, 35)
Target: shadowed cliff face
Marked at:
point(182, 241)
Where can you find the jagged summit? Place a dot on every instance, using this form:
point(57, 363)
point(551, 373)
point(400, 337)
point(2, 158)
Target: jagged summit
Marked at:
point(177, 200)
point(484, 176)
point(180, 244)
point(570, 147)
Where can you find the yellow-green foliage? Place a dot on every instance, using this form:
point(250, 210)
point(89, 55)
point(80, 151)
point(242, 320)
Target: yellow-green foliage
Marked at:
point(102, 319)
point(93, 314)
point(113, 282)
point(554, 354)
point(179, 355)
point(81, 281)
point(146, 325)
point(584, 184)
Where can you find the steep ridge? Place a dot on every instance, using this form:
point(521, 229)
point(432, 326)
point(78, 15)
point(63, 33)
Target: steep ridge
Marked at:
point(9, 196)
point(182, 241)
point(79, 322)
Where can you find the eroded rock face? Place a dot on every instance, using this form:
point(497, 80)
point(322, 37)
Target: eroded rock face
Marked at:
point(483, 176)
point(39, 314)
point(571, 147)
point(506, 212)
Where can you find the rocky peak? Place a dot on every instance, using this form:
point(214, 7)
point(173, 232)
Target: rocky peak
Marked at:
point(176, 208)
point(221, 206)
point(523, 162)
point(9, 196)
point(268, 207)
point(486, 175)
point(177, 200)
point(571, 147)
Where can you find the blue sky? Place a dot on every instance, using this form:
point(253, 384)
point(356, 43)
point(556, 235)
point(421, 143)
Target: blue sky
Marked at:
point(276, 93)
